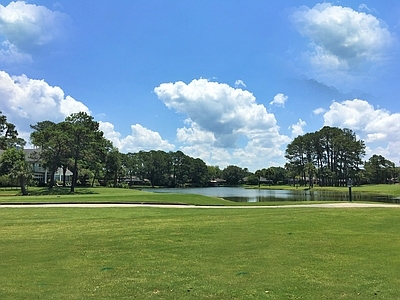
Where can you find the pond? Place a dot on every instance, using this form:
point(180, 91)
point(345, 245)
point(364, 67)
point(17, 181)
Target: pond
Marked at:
point(239, 194)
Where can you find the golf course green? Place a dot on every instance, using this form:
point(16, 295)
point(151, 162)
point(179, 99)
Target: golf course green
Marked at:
point(172, 253)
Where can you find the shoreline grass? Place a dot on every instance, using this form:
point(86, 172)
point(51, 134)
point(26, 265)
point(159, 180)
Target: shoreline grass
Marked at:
point(384, 189)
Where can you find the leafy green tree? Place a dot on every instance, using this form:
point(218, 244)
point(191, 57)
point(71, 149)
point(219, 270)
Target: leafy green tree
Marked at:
point(113, 165)
point(96, 160)
point(335, 153)
point(296, 155)
point(155, 166)
point(269, 175)
point(130, 163)
point(233, 174)
point(310, 170)
point(253, 179)
point(84, 137)
point(14, 164)
point(180, 168)
point(52, 140)
point(8, 134)
point(214, 172)
point(258, 174)
point(198, 172)
point(280, 175)
point(379, 169)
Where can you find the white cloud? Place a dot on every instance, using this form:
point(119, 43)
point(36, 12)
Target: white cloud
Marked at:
point(239, 83)
point(213, 156)
point(217, 108)
point(377, 127)
point(342, 38)
point(110, 133)
point(279, 100)
point(26, 28)
point(297, 129)
point(364, 7)
point(10, 54)
point(360, 115)
point(28, 101)
point(318, 111)
point(141, 138)
point(194, 135)
point(222, 116)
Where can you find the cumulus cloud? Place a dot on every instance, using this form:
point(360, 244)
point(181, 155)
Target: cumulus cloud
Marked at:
point(213, 156)
point(27, 101)
point(140, 139)
point(342, 38)
point(297, 129)
point(9, 53)
point(27, 27)
point(362, 116)
point(194, 135)
point(378, 127)
point(218, 108)
point(221, 116)
point(279, 100)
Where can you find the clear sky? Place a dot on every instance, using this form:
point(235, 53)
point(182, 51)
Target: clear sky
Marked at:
point(229, 81)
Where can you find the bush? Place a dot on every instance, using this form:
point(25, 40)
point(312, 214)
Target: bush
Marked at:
point(6, 181)
point(252, 180)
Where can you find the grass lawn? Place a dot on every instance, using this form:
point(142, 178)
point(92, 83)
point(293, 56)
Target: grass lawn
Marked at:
point(114, 195)
point(163, 253)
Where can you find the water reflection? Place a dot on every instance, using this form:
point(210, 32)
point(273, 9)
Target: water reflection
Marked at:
point(238, 194)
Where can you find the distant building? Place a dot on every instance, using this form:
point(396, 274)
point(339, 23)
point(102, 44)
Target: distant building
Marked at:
point(217, 182)
point(40, 173)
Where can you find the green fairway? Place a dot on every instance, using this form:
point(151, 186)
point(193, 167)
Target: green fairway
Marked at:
point(154, 253)
point(108, 195)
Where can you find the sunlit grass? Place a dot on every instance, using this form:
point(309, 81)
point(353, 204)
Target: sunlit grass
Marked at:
point(112, 195)
point(143, 253)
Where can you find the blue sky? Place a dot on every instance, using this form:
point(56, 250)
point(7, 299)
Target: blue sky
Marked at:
point(231, 82)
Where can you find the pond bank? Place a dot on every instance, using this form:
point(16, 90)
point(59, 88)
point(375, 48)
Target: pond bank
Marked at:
point(241, 194)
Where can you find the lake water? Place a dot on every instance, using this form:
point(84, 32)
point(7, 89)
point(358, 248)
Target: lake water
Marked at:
point(239, 194)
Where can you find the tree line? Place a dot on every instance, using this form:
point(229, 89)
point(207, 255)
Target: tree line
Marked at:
point(77, 144)
point(329, 156)
point(332, 156)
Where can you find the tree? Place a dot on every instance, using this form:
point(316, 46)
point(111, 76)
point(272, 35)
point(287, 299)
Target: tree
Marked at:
point(258, 174)
point(83, 137)
point(113, 165)
point(52, 140)
point(310, 170)
point(130, 163)
point(8, 134)
point(13, 163)
point(198, 172)
point(335, 153)
point(269, 175)
point(155, 166)
point(180, 164)
point(95, 160)
point(379, 169)
point(214, 172)
point(233, 174)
